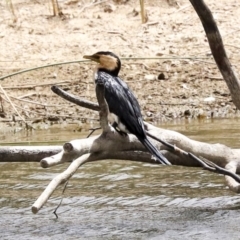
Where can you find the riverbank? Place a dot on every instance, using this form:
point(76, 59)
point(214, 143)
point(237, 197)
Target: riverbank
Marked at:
point(166, 62)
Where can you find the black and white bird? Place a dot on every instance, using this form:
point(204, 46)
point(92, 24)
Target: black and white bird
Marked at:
point(125, 114)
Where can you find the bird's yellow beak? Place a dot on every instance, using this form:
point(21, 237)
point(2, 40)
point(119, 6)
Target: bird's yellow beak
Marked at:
point(93, 57)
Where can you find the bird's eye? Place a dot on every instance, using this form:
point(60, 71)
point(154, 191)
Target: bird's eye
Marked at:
point(97, 57)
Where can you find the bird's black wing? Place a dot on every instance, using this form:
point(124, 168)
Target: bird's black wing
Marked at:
point(122, 103)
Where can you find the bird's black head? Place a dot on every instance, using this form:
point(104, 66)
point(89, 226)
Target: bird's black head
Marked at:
point(108, 62)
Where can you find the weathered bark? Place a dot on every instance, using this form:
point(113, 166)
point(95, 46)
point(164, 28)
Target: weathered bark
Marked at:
point(27, 153)
point(217, 48)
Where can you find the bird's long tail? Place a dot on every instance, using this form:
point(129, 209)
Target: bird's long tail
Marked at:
point(154, 151)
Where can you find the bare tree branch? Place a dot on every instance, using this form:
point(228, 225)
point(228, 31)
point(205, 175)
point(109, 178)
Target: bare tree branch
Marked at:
point(104, 111)
point(74, 99)
point(218, 50)
point(27, 153)
point(59, 179)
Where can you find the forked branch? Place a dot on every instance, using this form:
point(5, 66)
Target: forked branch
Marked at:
point(178, 148)
point(111, 145)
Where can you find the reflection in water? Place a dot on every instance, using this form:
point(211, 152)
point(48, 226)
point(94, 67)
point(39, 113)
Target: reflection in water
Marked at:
point(120, 199)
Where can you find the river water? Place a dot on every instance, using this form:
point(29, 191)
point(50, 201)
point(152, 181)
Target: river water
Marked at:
point(121, 199)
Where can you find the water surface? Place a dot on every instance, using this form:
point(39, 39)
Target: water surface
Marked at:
point(121, 199)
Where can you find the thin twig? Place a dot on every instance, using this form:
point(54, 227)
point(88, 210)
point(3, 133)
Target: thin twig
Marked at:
point(23, 109)
point(40, 67)
point(48, 115)
point(152, 69)
point(15, 109)
point(230, 45)
point(230, 33)
point(92, 131)
point(64, 188)
point(124, 58)
point(33, 102)
point(38, 85)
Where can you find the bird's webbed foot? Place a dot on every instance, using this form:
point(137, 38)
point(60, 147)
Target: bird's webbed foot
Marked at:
point(115, 126)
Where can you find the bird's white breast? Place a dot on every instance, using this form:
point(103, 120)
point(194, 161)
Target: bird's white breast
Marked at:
point(112, 118)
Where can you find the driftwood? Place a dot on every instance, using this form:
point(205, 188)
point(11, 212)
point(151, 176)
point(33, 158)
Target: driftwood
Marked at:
point(27, 153)
point(111, 145)
point(179, 149)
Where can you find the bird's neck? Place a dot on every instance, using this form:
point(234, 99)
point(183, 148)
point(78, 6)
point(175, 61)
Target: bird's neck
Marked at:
point(113, 73)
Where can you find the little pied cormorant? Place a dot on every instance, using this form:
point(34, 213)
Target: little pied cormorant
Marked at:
point(125, 114)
